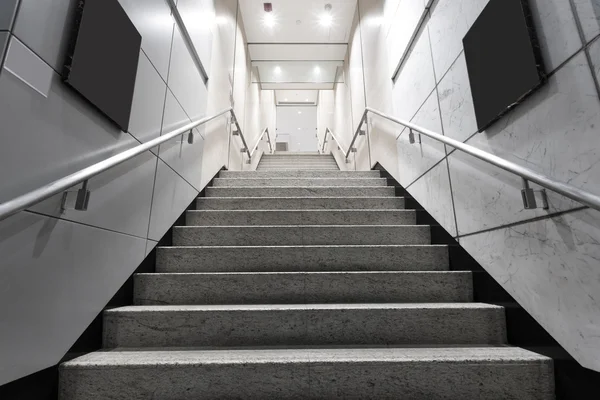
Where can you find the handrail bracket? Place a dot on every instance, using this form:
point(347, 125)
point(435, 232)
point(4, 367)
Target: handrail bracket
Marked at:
point(529, 200)
point(82, 198)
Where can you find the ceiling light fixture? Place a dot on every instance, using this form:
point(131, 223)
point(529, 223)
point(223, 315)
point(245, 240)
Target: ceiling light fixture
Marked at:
point(317, 69)
point(299, 112)
point(326, 20)
point(277, 69)
point(269, 20)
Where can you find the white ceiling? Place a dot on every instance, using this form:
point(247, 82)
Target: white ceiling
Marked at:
point(286, 14)
point(297, 56)
point(289, 52)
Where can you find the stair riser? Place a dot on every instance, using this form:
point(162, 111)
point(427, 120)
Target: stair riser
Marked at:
point(382, 191)
point(301, 235)
point(300, 288)
point(387, 203)
point(248, 327)
point(280, 259)
point(315, 217)
point(275, 182)
point(344, 379)
point(300, 174)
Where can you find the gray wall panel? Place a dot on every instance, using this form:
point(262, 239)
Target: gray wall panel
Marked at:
point(172, 195)
point(183, 157)
point(153, 20)
point(56, 277)
point(185, 80)
point(7, 12)
point(45, 27)
point(148, 102)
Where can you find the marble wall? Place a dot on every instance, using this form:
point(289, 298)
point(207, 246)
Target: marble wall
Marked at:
point(548, 260)
point(59, 269)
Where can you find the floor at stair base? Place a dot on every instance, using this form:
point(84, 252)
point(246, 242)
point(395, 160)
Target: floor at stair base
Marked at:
point(302, 287)
point(301, 235)
point(301, 324)
point(302, 258)
point(471, 373)
point(299, 203)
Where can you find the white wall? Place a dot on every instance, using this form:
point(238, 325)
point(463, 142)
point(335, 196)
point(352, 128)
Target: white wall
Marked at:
point(547, 260)
point(59, 270)
point(300, 123)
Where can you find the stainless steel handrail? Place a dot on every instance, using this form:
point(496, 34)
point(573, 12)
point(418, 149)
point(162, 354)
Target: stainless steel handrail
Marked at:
point(33, 197)
point(572, 192)
point(325, 141)
point(264, 132)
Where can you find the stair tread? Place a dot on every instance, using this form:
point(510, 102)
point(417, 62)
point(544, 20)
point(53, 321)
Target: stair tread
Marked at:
point(391, 354)
point(289, 273)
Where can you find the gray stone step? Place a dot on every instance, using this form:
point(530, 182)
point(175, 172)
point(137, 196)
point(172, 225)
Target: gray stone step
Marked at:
point(301, 217)
point(301, 258)
point(298, 235)
point(304, 324)
point(289, 168)
point(299, 174)
point(299, 182)
point(375, 191)
point(302, 287)
point(456, 373)
point(299, 203)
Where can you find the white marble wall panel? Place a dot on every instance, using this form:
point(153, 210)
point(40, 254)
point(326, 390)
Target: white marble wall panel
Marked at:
point(456, 102)
point(553, 132)
point(183, 157)
point(153, 20)
point(172, 195)
point(148, 102)
point(56, 277)
point(403, 25)
point(594, 52)
point(433, 192)
point(556, 30)
point(415, 159)
point(588, 12)
point(551, 268)
point(450, 22)
point(416, 80)
point(356, 74)
point(185, 80)
point(199, 19)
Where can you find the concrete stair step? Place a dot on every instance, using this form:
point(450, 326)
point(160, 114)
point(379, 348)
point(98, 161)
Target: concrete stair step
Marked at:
point(300, 217)
point(307, 235)
point(302, 287)
point(374, 191)
point(304, 324)
point(301, 258)
point(298, 182)
point(413, 373)
point(299, 174)
point(268, 168)
point(300, 203)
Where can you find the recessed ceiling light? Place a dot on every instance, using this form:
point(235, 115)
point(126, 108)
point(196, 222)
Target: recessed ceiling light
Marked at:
point(285, 99)
point(317, 69)
point(277, 69)
point(299, 112)
point(269, 20)
point(306, 100)
point(326, 20)
point(299, 129)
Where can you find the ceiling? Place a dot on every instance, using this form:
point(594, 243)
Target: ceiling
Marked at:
point(291, 48)
point(287, 13)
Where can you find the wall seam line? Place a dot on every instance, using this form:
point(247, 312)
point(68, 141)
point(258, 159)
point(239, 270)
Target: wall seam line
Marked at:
point(525, 221)
point(81, 223)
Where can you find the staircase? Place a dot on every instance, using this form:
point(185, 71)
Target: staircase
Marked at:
point(295, 283)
